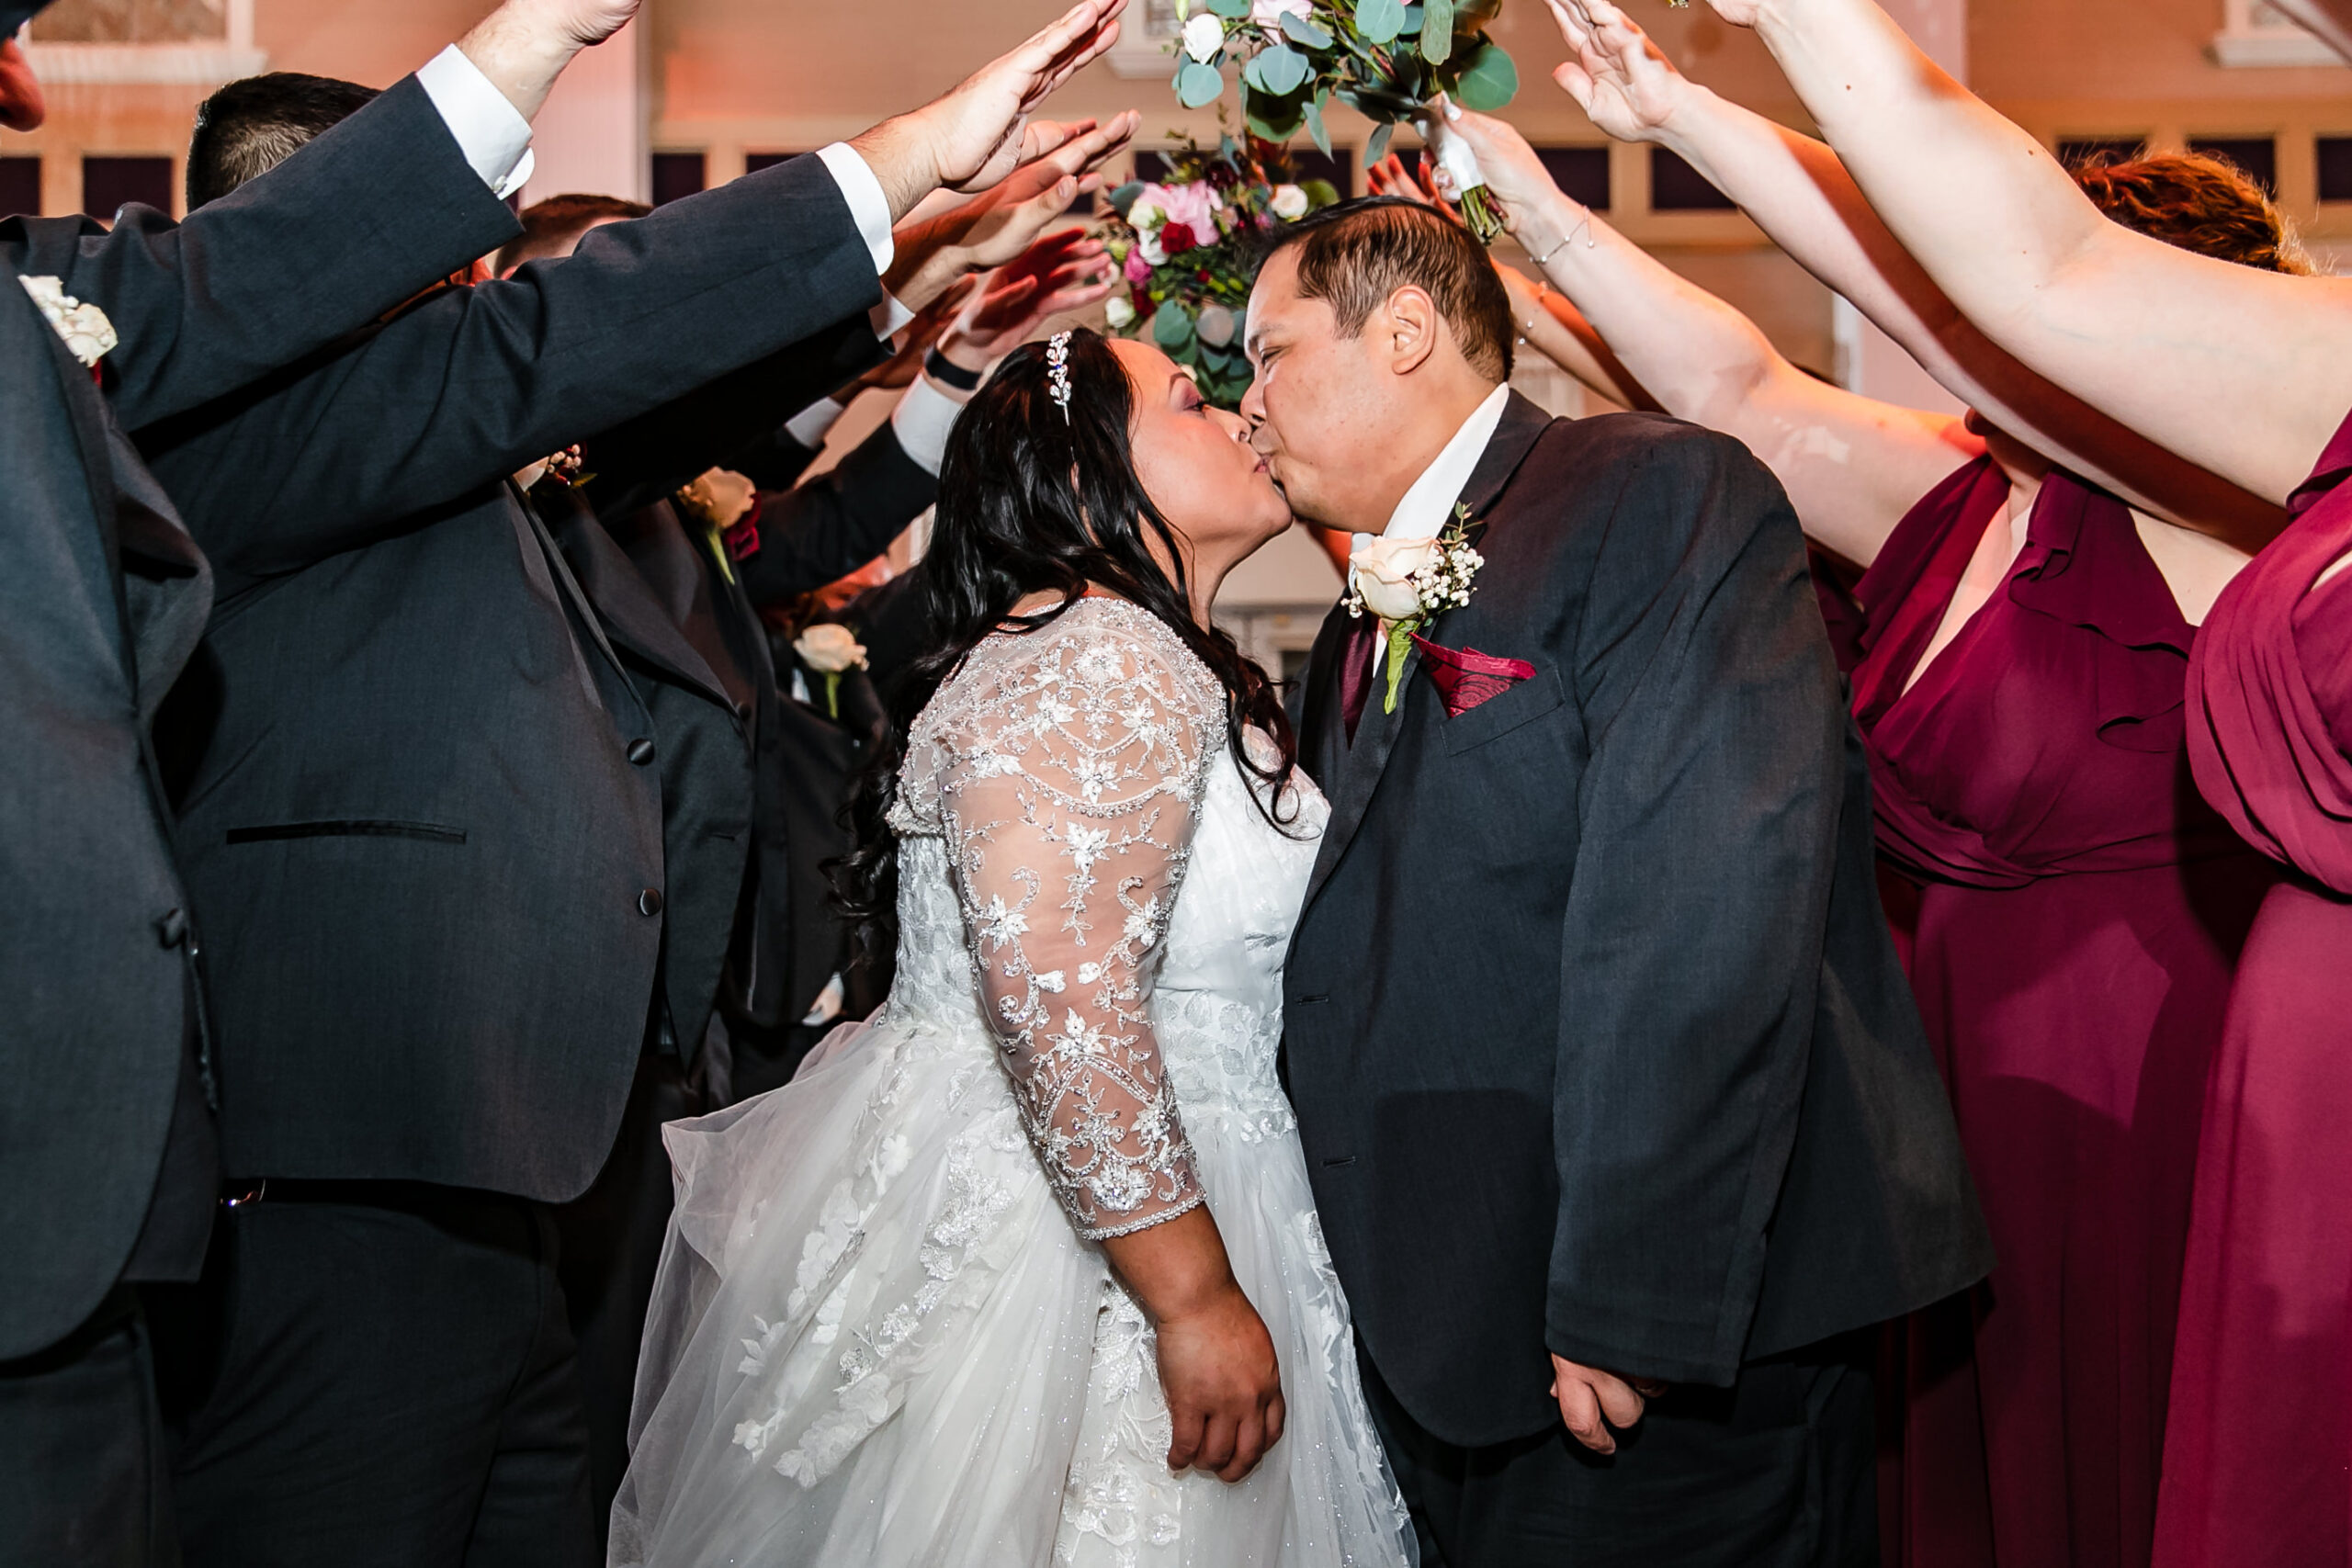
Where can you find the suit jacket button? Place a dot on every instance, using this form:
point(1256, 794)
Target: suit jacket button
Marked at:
point(649, 901)
point(640, 751)
point(171, 927)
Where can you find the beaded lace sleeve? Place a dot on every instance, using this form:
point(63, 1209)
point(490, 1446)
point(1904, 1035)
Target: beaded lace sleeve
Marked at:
point(1068, 771)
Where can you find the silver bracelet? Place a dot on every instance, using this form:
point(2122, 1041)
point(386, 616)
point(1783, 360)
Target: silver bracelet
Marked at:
point(1584, 228)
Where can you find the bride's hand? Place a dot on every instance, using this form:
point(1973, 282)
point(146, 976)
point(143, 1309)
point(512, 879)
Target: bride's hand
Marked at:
point(1224, 1389)
point(1217, 1361)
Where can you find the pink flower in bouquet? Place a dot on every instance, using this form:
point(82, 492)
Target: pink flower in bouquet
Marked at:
point(1194, 205)
point(1138, 270)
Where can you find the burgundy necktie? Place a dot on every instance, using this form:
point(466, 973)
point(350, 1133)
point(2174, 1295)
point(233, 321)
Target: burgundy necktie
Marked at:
point(1355, 670)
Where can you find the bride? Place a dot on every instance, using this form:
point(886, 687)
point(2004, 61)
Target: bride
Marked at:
point(1026, 1268)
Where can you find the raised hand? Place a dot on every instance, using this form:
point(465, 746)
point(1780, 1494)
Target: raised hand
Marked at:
point(525, 45)
point(1622, 81)
point(2330, 19)
point(1533, 207)
point(1059, 273)
point(979, 132)
point(1393, 176)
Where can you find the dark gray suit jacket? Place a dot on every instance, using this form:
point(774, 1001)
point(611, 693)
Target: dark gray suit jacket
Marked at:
point(416, 807)
point(102, 597)
point(1593, 1025)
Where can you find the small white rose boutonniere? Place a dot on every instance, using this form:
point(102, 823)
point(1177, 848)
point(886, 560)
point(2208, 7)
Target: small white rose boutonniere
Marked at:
point(830, 650)
point(1405, 581)
point(87, 333)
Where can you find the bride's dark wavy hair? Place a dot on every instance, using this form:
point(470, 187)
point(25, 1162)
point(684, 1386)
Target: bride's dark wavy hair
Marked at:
point(1031, 502)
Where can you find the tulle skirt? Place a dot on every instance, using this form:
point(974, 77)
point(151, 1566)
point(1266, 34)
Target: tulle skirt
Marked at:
point(875, 1341)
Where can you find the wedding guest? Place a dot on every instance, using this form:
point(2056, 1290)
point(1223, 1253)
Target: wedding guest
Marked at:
point(429, 810)
point(2250, 374)
point(109, 1147)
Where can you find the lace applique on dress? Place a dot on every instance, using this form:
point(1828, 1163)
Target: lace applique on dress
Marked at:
point(1063, 769)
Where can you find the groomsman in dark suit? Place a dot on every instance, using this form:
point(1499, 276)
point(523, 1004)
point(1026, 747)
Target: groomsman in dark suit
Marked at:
point(427, 797)
point(109, 1151)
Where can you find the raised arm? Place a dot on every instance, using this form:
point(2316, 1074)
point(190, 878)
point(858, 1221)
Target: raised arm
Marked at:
point(2330, 19)
point(1795, 190)
point(1070, 782)
point(1853, 465)
point(2248, 373)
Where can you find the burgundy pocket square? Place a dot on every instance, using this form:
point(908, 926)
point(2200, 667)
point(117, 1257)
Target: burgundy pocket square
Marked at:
point(1467, 677)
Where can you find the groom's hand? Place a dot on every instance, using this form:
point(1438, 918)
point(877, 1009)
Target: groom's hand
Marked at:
point(1592, 1402)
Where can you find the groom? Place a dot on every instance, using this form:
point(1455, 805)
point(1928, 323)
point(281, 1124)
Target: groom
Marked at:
point(1619, 1114)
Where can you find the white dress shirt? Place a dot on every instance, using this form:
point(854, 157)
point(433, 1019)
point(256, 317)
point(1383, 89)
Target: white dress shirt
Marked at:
point(1424, 510)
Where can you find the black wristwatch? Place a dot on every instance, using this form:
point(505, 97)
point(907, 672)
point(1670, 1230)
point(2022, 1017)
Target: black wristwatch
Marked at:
point(947, 373)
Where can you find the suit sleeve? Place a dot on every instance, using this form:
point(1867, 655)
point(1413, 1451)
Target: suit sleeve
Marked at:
point(826, 527)
point(1708, 814)
point(475, 383)
point(345, 230)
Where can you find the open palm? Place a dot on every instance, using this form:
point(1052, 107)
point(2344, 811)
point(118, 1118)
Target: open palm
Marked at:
point(981, 128)
point(1620, 80)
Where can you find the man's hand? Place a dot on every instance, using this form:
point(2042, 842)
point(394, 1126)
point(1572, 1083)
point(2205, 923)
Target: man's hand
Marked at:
point(524, 45)
point(979, 132)
point(898, 373)
point(1592, 1402)
point(999, 224)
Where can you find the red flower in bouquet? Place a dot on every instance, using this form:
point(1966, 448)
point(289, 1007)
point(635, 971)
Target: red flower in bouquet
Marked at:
point(1176, 238)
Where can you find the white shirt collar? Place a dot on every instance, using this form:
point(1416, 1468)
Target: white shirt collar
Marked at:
point(1424, 510)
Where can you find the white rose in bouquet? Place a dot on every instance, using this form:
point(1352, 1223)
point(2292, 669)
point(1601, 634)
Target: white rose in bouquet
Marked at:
point(830, 650)
point(1204, 36)
point(1289, 203)
point(1118, 313)
point(1384, 570)
point(1146, 214)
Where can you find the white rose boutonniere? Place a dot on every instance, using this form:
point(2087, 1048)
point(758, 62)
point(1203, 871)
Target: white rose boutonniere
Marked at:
point(1405, 581)
point(830, 650)
point(87, 334)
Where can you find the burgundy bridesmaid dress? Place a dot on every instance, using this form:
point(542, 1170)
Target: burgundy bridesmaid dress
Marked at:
point(2079, 917)
point(2259, 1453)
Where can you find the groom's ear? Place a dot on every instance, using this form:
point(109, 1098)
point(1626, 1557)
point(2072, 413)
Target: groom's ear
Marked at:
point(1412, 329)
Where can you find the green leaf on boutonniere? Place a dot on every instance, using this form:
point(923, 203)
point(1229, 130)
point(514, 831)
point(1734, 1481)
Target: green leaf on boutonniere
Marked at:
point(1400, 642)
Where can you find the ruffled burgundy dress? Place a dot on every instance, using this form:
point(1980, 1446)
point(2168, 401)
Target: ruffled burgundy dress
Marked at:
point(2259, 1453)
point(2079, 919)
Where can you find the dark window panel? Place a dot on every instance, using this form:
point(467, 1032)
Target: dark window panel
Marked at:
point(19, 186)
point(109, 184)
point(1339, 168)
point(2335, 168)
point(676, 174)
point(1675, 187)
point(1581, 173)
point(2257, 155)
point(755, 162)
point(2076, 150)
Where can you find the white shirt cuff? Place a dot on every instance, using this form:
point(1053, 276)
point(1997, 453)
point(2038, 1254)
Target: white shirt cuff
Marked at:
point(867, 206)
point(890, 318)
point(923, 419)
point(491, 131)
point(813, 423)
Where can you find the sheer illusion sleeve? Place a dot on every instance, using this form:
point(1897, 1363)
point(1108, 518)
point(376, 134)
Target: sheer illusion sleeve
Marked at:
point(1068, 786)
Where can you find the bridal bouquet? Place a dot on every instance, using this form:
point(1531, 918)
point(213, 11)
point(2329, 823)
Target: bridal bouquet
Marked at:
point(1187, 243)
point(1386, 59)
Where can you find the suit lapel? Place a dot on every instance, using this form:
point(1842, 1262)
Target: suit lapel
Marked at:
point(1358, 774)
point(627, 609)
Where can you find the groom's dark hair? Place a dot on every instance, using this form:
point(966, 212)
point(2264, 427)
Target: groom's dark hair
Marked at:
point(1355, 255)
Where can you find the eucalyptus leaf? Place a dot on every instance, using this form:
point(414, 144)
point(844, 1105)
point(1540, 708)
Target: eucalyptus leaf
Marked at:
point(1377, 148)
point(1231, 10)
point(1304, 30)
point(1125, 197)
point(1318, 129)
point(1437, 30)
point(1198, 85)
point(1171, 327)
point(1380, 20)
point(1278, 70)
point(1272, 120)
point(1413, 18)
point(1489, 81)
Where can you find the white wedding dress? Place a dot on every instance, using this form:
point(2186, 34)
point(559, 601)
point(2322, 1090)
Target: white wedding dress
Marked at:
point(882, 1338)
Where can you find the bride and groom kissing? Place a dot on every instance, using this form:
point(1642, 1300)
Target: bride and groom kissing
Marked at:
point(1472, 1118)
